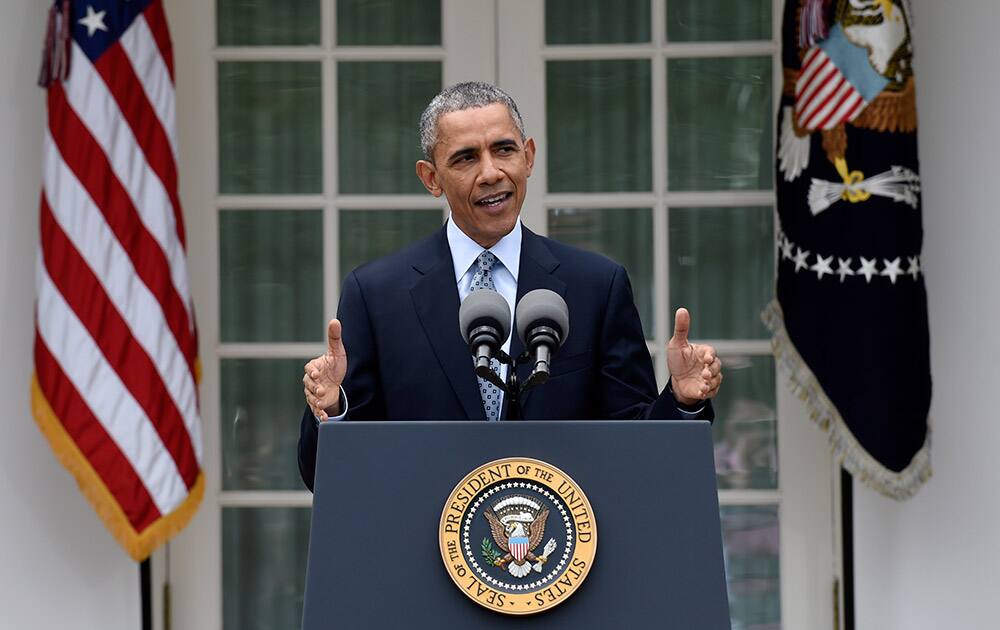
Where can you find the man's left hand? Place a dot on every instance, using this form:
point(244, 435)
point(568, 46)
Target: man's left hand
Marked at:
point(695, 369)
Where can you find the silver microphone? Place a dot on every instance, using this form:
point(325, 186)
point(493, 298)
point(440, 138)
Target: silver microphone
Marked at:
point(543, 325)
point(484, 318)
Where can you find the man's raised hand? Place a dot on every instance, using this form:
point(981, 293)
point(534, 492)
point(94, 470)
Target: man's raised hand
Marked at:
point(695, 369)
point(324, 374)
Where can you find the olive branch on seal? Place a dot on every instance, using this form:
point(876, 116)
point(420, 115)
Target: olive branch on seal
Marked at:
point(490, 553)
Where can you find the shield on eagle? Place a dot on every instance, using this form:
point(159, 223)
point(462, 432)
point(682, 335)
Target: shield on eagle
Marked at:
point(519, 547)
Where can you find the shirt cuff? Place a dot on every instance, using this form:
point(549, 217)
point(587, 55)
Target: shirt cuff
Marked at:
point(686, 410)
point(343, 406)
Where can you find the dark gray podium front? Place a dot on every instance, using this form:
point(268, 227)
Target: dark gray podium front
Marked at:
point(374, 560)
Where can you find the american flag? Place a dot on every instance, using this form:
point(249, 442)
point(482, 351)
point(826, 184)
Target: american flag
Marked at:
point(115, 383)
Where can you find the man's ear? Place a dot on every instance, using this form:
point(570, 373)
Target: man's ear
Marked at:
point(529, 153)
point(427, 173)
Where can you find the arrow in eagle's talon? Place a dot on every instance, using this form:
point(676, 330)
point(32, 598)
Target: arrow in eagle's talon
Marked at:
point(549, 548)
point(900, 184)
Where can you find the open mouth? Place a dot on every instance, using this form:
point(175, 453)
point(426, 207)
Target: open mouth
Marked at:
point(493, 200)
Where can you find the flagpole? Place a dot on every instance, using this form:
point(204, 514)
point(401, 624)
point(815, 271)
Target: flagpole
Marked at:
point(145, 590)
point(847, 545)
point(166, 589)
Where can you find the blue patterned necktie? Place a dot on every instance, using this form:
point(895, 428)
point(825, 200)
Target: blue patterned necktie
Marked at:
point(483, 279)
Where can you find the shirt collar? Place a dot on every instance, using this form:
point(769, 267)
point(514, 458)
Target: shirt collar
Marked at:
point(465, 251)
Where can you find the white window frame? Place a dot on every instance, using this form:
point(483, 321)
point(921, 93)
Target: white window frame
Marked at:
point(484, 40)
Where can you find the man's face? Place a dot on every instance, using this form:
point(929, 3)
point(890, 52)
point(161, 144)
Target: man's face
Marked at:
point(482, 166)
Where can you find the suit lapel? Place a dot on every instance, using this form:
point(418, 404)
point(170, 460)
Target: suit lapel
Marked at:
point(535, 272)
point(435, 297)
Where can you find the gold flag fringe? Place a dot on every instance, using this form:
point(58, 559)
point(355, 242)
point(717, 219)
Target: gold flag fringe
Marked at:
point(847, 451)
point(139, 545)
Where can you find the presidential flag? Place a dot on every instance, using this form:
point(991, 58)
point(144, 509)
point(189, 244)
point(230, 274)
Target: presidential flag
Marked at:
point(849, 320)
point(115, 382)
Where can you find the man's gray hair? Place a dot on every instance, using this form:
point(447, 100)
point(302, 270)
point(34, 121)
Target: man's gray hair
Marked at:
point(468, 95)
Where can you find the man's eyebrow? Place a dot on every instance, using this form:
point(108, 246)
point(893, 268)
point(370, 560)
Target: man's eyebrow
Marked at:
point(464, 151)
point(467, 151)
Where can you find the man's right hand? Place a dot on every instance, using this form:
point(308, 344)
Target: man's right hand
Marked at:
point(324, 374)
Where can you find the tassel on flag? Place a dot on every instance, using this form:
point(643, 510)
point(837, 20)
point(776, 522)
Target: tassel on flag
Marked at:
point(55, 49)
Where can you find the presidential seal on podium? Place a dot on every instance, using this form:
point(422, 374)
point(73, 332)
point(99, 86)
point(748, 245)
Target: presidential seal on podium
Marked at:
point(518, 536)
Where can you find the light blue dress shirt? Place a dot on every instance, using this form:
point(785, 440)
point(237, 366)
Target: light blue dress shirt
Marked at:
point(465, 251)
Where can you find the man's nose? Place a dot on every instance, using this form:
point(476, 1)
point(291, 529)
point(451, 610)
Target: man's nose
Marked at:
point(489, 174)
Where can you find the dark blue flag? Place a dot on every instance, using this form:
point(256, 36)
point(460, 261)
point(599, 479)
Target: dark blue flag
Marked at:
point(850, 318)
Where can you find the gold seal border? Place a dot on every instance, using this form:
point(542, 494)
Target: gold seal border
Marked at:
point(465, 577)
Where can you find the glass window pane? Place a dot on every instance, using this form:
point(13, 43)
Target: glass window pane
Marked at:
point(369, 234)
point(599, 125)
point(722, 269)
point(744, 431)
point(270, 131)
point(622, 234)
point(596, 21)
point(260, 401)
point(263, 567)
point(750, 544)
point(718, 20)
point(388, 22)
point(719, 123)
point(271, 275)
point(267, 22)
point(378, 110)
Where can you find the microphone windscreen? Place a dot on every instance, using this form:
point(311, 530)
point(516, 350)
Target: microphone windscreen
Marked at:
point(542, 305)
point(484, 304)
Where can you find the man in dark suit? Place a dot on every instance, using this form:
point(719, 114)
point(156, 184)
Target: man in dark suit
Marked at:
point(398, 316)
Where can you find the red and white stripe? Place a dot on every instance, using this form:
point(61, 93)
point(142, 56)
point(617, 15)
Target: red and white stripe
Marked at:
point(824, 98)
point(116, 344)
point(518, 550)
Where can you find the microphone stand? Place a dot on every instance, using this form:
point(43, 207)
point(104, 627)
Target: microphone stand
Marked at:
point(514, 391)
point(513, 388)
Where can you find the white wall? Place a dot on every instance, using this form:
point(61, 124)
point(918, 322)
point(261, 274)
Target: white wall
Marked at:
point(933, 562)
point(58, 566)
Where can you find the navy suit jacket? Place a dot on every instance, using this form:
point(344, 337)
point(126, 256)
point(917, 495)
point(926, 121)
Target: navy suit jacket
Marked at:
point(407, 360)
